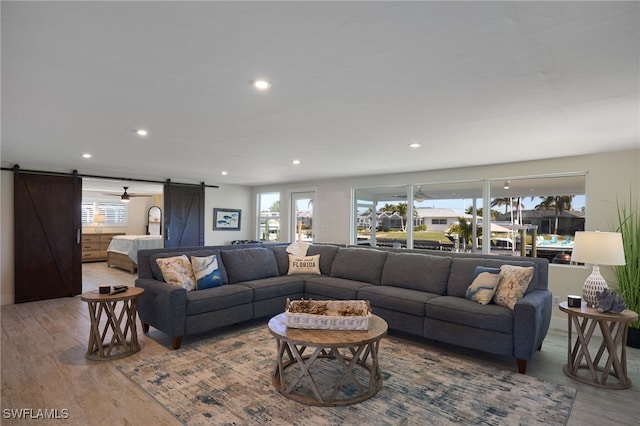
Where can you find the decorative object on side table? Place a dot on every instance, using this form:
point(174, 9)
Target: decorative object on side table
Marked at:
point(597, 248)
point(609, 301)
point(628, 275)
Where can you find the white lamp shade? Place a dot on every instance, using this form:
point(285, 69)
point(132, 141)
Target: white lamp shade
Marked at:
point(598, 248)
point(98, 218)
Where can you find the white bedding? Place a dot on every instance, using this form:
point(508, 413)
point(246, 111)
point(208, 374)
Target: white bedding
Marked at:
point(130, 244)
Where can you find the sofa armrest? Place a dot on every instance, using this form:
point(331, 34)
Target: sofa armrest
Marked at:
point(531, 319)
point(162, 306)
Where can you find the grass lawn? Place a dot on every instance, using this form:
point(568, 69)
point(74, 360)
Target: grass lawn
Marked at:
point(417, 235)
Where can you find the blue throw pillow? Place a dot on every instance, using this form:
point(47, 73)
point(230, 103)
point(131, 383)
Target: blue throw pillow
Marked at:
point(206, 271)
point(484, 284)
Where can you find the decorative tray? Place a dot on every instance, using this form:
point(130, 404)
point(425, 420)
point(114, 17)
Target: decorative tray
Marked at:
point(328, 314)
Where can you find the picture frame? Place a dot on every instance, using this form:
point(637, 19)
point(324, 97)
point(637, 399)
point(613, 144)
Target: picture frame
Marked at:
point(226, 219)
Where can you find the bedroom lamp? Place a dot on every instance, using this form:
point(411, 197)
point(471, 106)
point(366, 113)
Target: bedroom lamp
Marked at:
point(597, 248)
point(99, 219)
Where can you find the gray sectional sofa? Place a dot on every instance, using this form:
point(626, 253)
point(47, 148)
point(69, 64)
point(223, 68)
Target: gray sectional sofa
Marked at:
point(420, 292)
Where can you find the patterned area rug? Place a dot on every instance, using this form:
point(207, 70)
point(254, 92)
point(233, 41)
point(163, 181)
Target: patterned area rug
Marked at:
point(227, 380)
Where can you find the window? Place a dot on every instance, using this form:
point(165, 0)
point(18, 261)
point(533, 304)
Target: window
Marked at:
point(535, 216)
point(269, 216)
point(115, 212)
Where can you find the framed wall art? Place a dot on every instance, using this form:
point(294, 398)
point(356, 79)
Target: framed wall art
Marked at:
point(226, 219)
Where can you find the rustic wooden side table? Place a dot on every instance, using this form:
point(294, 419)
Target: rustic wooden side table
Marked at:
point(350, 348)
point(614, 343)
point(120, 325)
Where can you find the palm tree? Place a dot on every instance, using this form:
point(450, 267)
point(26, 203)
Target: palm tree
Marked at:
point(492, 213)
point(506, 202)
point(559, 203)
point(401, 209)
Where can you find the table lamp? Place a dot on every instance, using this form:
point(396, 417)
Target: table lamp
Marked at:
point(99, 219)
point(597, 248)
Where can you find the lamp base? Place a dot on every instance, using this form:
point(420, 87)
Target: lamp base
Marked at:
point(98, 229)
point(592, 286)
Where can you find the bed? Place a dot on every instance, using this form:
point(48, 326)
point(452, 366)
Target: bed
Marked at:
point(123, 250)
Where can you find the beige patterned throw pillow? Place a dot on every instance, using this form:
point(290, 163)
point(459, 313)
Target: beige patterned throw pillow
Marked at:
point(514, 281)
point(177, 270)
point(304, 265)
point(483, 287)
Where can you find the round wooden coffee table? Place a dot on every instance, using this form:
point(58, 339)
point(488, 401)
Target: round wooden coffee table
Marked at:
point(350, 373)
point(120, 326)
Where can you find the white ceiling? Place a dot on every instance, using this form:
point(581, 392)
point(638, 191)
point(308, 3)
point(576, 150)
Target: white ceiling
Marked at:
point(353, 84)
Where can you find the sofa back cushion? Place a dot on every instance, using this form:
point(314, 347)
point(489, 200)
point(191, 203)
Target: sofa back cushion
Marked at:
point(249, 264)
point(359, 264)
point(417, 272)
point(157, 273)
point(462, 269)
point(327, 254)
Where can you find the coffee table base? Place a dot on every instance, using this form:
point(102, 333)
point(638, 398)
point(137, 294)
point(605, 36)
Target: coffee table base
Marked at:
point(355, 362)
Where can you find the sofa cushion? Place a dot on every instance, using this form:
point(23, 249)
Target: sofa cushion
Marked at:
point(206, 271)
point(484, 285)
point(327, 254)
point(304, 265)
point(359, 264)
point(396, 299)
point(249, 264)
point(417, 271)
point(157, 274)
point(218, 298)
point(318, 286)
point(462, 270)
point(177, 270)
point(513, 282)
point(466, 312)
point(269, 288)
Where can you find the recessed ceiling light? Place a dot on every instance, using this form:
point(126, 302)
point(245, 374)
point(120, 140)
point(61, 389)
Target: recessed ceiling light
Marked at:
point(295, 162)
point(141, 132)
point(414, 145)
point(87, 155)
point(223, 173)
point(261, 84)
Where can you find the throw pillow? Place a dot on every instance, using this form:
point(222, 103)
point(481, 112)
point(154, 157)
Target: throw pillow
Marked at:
point(206, 271)
point(177, 270)
point(304, 265)
point(484, 283)
point(514, 281)
point(298, 248)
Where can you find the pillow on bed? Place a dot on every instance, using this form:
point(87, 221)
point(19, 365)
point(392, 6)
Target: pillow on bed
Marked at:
point(206, 271)
point(177, 270)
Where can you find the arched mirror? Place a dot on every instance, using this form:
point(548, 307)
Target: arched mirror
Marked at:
point(154, 225)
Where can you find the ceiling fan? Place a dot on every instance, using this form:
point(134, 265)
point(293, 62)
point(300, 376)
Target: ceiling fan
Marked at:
point(125, 197)
point(419, 195)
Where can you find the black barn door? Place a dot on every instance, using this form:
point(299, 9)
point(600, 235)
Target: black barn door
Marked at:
point(47, 250)
point(184, 215)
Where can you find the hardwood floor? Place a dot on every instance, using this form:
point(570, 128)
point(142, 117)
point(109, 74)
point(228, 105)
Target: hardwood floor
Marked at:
point(44, 367)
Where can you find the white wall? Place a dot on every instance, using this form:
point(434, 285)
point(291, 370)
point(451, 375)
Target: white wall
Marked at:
point(229, 197)
point(609, 176)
